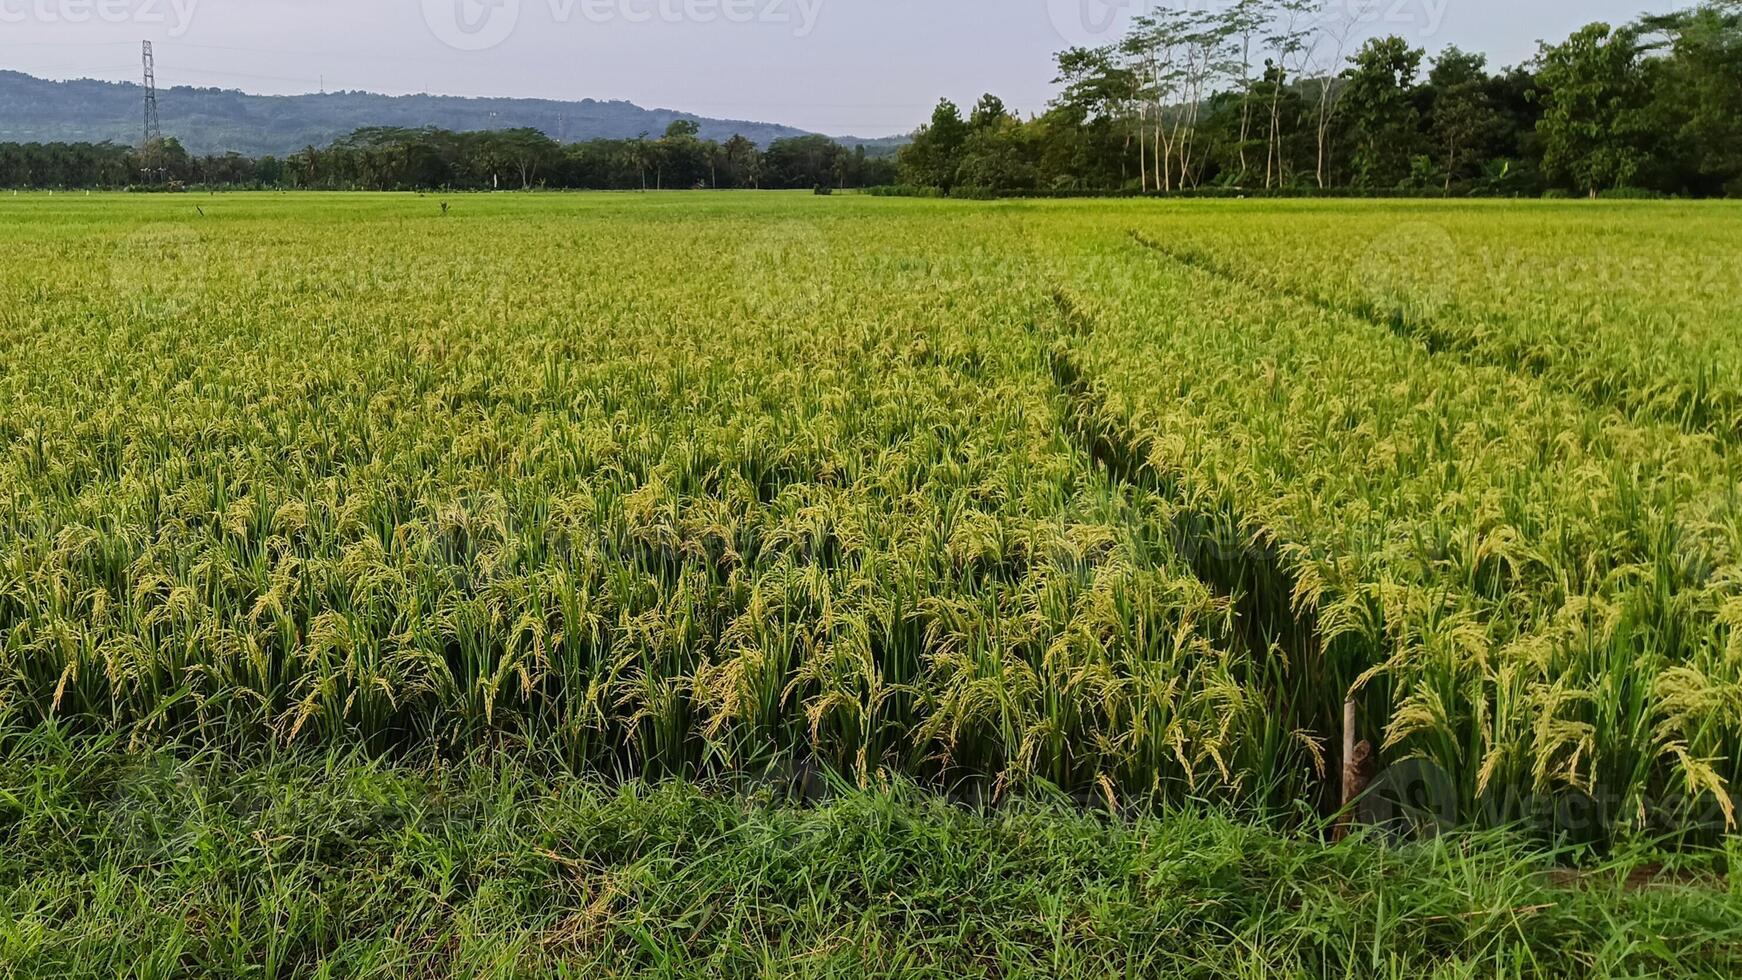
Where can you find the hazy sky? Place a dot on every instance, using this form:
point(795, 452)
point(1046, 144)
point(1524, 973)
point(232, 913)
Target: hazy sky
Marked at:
point(859, 67)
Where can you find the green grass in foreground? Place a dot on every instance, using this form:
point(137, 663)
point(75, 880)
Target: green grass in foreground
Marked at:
point(161, 865)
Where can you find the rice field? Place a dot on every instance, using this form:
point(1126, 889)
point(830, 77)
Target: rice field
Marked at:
point(1116, 499)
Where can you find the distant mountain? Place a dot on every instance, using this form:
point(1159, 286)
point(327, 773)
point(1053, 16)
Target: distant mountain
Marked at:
point(209, 120)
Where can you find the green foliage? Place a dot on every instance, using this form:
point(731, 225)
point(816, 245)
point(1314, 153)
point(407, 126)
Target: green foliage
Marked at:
point(998, 496)
point(1697, 108)
point(1630, 194)
point(1594, 95)
point(1252, 99)
point(1463, 120)
point(1257, 98)
point(1470, 553)
point(304, 865)
point(216, 121)
point(998, 152)
point(386, 158)
point(1379, 104)
point(934, 156)
point(738, 516)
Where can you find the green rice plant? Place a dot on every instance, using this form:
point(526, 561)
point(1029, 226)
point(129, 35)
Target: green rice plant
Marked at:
point(1628, 307)
point(771, 492)
point(1524, 589)
point(994, 496)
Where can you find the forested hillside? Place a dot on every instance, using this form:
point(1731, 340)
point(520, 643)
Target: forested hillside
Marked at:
point(208, 120)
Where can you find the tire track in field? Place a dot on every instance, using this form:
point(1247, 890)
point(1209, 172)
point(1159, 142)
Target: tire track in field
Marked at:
point(1235, 559)
point(1211, 542)
point(1707, 412)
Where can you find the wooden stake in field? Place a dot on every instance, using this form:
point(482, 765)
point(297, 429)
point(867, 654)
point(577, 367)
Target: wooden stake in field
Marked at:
point(1357, 770)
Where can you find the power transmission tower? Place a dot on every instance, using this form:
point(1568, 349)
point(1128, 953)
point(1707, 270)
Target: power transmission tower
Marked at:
point(151, 150)
point(153, 127)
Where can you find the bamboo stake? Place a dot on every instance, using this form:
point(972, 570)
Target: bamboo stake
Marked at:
point(1351, 772)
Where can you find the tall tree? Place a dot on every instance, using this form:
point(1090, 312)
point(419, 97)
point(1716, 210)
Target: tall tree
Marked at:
point(998, 153)
point(989, 113)
point(1462, 116)
point(1593, 100)
point(1320, 60)
point(743, 162)
point(1697, 93)
point(1291, 38)
point(1242, 22)
point(682, 156)
point(1098, 96)
point(528, 152)
point(1379, 102)
point(935, 152)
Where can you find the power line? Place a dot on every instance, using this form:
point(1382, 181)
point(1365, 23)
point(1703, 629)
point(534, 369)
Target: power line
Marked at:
point(219, 73)
point(40, 70)
point(64, 44)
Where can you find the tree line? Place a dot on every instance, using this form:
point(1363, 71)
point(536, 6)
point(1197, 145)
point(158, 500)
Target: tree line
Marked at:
point(1274, 95)
point(1265, 95)
point(387, 158)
